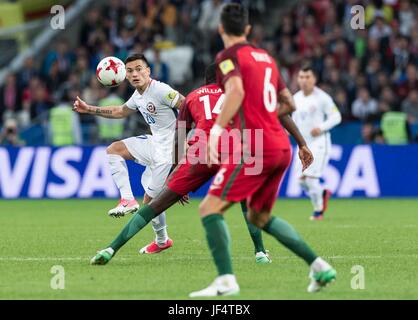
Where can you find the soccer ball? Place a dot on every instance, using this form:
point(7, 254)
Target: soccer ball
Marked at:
point(111, 72)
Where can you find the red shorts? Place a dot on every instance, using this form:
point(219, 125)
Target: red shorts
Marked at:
point(235, 183)
point(190, 177)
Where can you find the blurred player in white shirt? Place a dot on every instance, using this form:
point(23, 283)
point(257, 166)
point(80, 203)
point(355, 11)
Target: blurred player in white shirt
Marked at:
point(316, 114)
point(158, 103)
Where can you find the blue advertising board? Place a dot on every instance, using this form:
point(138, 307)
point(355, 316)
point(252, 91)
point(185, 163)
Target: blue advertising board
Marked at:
point(81, 172)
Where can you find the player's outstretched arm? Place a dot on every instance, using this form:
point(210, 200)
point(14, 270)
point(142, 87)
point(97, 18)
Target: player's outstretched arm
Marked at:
point(115, 112)
point(286, 101)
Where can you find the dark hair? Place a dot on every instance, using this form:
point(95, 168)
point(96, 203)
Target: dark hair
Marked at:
point(210, 73)
point(234, 19)
point(137, 56)
point(308, 67)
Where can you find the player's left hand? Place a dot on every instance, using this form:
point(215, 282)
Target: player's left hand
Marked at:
point(184, 200)
point(306, 157)
point(316, 132)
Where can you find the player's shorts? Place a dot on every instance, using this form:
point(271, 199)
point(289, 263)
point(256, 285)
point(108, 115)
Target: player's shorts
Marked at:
point(321, 154)
point(189, 177)
point(156, 171)
point(234, 184)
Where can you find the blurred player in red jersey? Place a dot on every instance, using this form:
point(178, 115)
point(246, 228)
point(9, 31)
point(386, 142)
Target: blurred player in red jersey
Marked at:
point(251, 82)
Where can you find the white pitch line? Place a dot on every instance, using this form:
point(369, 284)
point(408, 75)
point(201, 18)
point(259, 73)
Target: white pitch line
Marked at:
point(138, 257)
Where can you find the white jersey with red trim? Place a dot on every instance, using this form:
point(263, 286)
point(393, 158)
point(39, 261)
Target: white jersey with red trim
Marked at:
point(157, 105)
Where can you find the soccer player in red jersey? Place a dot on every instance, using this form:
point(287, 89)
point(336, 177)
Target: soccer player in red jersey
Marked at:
point(251, 82)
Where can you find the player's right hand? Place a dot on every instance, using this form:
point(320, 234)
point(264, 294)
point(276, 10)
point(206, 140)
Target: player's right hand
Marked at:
point(80, 106)
point(306, 157)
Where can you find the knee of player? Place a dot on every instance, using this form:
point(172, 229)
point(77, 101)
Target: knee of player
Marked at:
point(112, 148)
point(118, 148)
point(205, 208)
point(258, 219)
point(202, 208)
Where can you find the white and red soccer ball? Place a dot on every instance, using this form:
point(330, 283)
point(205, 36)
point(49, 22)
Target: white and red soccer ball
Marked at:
point(111, 71)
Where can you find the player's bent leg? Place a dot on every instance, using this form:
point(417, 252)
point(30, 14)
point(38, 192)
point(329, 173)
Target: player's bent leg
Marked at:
point(218, 238)
point(117, 153)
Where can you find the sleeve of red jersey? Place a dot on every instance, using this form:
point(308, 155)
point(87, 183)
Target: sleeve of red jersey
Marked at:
point(226, 67)
point(185, 115)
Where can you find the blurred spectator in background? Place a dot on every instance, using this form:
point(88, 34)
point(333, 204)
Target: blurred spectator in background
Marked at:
point(410, 107)
point(406, 17)
point(380, 29)
point(371, 134)
point(64, 124)
point(62, 55)
point(40, 103)
point(109, 129)
point(342, 103)
point(27, 72)
point(395, 127)
point(210, 14)
point(9, 135)
point(401, 57)
point(409, 81)
point(10, 98)
point(364, 107)
point(159, 69)
point(378, 9)
point(367, 133)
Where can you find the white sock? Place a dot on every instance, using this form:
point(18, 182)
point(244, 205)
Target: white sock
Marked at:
point(227, 278)
point(315, 193)
point(110, 250)
point(320, 265)
point(160, 228)
point(120, 175)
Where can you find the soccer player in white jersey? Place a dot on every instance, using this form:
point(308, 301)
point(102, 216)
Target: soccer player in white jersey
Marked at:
point(316, 114)
point(158, 103)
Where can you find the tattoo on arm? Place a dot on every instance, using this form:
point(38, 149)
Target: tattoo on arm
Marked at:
point(100, 111)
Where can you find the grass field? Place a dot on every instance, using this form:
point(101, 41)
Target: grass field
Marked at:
point(379, 235)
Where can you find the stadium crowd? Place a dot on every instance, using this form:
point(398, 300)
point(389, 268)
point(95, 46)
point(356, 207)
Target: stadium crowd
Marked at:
point(369, 72)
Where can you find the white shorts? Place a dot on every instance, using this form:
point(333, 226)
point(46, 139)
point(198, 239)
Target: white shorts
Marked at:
point(156, 171)
point(321, 154)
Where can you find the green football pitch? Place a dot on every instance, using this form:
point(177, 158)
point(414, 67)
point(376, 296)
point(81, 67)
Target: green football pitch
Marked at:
point(373, 244)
